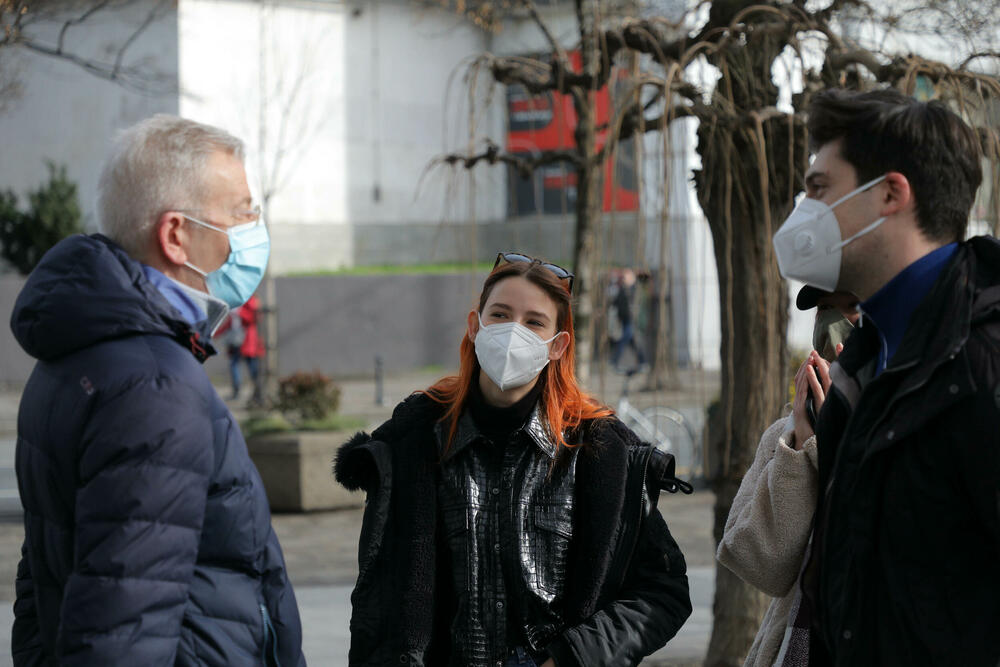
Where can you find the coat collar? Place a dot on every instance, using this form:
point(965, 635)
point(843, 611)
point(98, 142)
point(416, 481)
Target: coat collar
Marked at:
point(938, 328)
point(929, 373)
point(467, 433)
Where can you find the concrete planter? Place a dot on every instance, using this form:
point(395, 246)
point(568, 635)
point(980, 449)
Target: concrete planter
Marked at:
point(297, 469)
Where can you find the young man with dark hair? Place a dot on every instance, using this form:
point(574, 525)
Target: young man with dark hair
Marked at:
point(905, 562)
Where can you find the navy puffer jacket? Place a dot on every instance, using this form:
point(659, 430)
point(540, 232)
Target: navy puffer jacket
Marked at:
point(148, 536)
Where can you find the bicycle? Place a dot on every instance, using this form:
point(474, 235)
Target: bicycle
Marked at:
point(664, 427)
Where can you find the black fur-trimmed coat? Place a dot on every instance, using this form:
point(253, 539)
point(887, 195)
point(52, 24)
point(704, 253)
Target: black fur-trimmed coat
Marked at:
point(626, 592)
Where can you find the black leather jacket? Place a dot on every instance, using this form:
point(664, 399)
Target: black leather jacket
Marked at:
point(624, 588)
point(507, 517)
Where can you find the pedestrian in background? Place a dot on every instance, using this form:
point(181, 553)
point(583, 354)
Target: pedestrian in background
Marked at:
point(511, 519)
point(770, 521)
point(905, 557)
point(625, 306)
point(252, 349)
point(148, 536)
point(241, 336)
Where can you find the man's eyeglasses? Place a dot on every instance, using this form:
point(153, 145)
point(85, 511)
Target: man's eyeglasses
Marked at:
point(240, 216)
point(558, 271)
point(251, 214)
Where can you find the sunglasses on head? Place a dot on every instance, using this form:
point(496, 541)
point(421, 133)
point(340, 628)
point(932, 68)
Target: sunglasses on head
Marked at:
point(558, 271)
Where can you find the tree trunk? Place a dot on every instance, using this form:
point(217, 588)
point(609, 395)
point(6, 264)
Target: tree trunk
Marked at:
point(737, 607)
point(744, 205)
point(588, 195)
point(664, 371)
point(588, 190)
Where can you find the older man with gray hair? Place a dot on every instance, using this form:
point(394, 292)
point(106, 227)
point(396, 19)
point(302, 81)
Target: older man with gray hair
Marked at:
point(148, 536)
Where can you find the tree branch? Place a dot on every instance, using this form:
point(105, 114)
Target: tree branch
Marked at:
point(975, 56)
point(77, 21)
point(133, 78)
point(525, 166)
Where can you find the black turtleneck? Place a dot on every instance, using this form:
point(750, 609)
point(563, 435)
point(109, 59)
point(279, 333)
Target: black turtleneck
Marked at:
point(496, 423)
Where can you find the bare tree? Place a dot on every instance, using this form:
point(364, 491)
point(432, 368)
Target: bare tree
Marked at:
point(49, 28)
point(754, 150)
point(289, 115)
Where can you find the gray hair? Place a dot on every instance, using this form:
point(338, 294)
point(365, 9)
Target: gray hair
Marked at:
point(155, 166)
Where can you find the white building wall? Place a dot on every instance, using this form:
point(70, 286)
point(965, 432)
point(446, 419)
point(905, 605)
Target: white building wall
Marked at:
point(69, 116)
point(357, 106)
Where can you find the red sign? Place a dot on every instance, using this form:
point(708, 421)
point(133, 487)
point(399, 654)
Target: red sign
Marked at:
point(541, 123)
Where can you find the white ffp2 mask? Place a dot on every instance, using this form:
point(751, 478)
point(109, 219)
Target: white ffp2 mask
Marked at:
point(511, 355)
point(808, 244)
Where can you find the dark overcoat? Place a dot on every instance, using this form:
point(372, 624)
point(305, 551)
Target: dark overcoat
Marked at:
point(148, 535)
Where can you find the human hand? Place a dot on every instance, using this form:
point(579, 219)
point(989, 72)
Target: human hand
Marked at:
point(549, 663)
point(812, 377)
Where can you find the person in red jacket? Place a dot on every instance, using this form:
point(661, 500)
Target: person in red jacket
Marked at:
point(251, 349)
point(242, 339)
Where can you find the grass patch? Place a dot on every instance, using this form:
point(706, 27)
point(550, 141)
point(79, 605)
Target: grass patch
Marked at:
point(396, 269)
point(275, 423)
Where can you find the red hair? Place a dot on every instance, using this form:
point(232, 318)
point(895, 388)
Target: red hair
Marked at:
point(564, 405)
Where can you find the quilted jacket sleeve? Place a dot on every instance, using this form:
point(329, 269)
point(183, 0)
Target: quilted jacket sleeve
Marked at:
point(771, 517)
point(650, 608)
point(143, 472)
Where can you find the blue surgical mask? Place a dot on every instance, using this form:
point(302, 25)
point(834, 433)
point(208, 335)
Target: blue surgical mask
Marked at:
point(237, 279)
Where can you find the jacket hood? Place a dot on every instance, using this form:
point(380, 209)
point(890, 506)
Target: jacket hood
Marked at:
point(86, 290)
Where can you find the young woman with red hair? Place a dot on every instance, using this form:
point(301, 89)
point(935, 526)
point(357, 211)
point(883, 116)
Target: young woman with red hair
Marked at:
point(511, 519)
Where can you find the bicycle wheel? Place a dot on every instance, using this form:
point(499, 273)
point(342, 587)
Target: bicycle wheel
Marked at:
point(672, 433)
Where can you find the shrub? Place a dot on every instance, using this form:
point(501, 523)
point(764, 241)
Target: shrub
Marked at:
point(53, 214)
point(308, 395)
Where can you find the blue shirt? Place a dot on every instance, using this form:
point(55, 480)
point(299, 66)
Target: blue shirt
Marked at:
point(892, 306)
point(175, 295)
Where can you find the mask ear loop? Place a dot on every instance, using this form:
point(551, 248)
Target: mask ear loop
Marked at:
point(191, 266)
point(866, 186)
point(196, 269)
point(558, 333)
point(837, 246)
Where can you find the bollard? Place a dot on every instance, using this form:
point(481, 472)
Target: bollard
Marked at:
point(379, 381)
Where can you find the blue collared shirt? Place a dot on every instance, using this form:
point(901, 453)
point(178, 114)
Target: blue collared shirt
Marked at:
point(176, 296)
point(891, 307)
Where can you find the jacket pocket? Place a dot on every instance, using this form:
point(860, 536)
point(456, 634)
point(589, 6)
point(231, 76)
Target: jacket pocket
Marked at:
point(457, 527)
point(545, 555)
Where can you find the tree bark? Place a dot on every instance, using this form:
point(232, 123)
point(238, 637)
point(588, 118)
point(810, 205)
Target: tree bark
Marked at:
point(588, 190)
point(737, 607)
point(588, 194)
point(748, 178)
point(664, 371)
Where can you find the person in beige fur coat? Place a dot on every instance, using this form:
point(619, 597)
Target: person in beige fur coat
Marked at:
point(770, 522)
